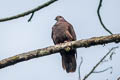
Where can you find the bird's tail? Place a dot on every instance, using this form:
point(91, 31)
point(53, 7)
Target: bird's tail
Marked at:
point(69, 60)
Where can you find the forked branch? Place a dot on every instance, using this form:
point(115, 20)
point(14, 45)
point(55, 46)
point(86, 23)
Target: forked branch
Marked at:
point(32, 11)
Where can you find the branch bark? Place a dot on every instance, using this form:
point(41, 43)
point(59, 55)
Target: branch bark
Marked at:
point(54, 49)
point(28, 12)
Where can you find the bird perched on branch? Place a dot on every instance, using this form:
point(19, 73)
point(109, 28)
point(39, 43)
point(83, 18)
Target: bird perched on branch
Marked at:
point(63, 32)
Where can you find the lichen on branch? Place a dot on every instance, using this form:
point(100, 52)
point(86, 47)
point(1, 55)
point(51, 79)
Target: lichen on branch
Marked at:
point(57, 48)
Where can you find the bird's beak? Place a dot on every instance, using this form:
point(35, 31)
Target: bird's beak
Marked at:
point(55, 18)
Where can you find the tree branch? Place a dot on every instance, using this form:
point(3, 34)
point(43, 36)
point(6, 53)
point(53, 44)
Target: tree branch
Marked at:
point(54, 49)
point(28, 12)
point(98, 12)
point(118, 78)
point(93, 69)
point(79, 68)
point(103, 70)
point(31, 17)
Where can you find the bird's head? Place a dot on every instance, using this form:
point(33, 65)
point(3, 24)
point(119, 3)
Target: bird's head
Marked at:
point(59, 18)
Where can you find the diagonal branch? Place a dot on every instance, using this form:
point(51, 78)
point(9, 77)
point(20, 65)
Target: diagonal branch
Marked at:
point(31, 17)
point(28, 12)
point(92, 71)
point(54, 49)
point(98, 13)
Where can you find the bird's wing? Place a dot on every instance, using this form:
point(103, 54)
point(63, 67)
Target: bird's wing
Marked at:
point(70, 37)
point(72, 32)
point(52, 35)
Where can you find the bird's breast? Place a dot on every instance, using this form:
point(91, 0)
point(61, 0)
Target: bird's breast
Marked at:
point(60, 35)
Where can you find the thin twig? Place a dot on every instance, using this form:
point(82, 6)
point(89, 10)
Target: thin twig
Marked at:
point(28, 12)
point(112, 55)
point(103, 70)
point(98, 63)
point(31, 17)
point(98, 12)
point(80, 68)
point(118, 78)
point(104, 61)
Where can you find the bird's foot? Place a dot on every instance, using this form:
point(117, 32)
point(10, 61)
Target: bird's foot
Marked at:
point(67, 49)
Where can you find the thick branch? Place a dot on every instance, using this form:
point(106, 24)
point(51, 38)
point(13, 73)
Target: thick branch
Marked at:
point(98, 13)
point(54, 49)
point(28, 12)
